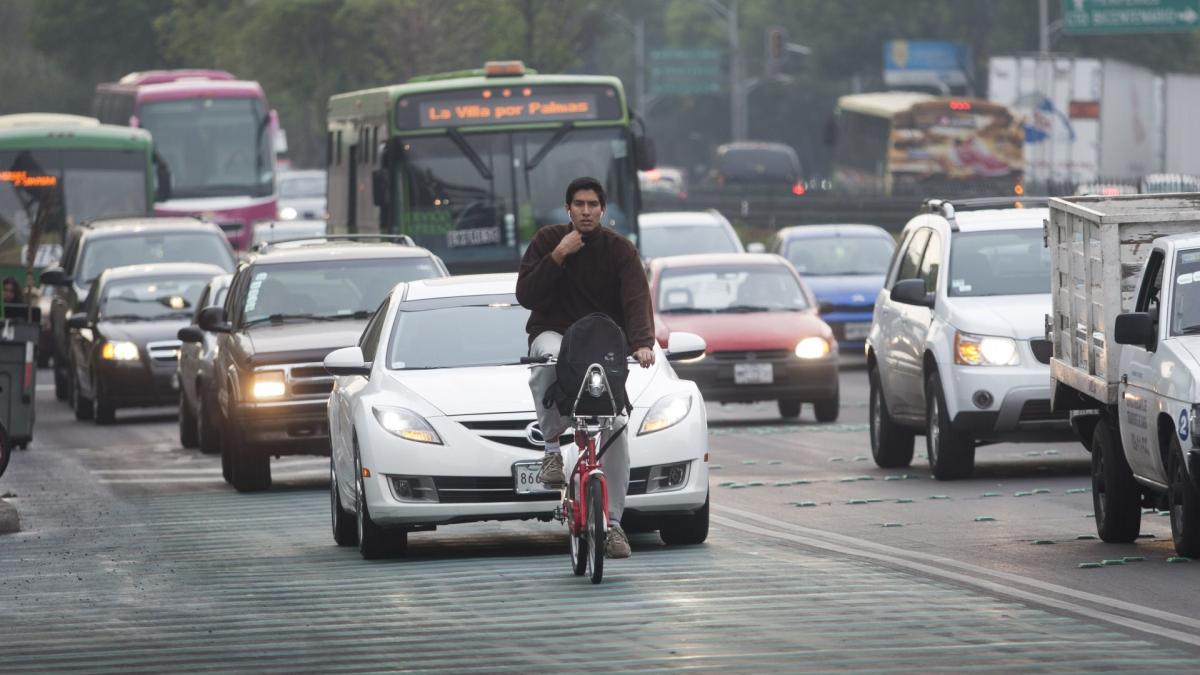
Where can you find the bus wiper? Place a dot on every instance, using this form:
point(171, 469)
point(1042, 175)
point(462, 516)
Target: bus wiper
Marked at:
point(562, 132)
point(470, 153)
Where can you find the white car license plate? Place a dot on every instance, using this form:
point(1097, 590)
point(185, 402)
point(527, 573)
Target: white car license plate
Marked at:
point(525, 477)
point(753, 373)
point(858, 331)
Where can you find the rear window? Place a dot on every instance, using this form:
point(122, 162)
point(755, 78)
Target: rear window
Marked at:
point(147, 248)
point(659, 241)
point(719, 290)
point(758, 164)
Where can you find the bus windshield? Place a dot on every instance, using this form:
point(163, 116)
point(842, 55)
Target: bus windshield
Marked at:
point(213, 146)
point(470, 194)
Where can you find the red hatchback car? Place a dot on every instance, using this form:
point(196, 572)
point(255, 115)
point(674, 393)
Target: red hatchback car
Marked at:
point(765, 340)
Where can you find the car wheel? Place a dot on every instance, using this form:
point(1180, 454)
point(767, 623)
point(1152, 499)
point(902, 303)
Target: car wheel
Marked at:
point(187, 424)
point(61, 383)
point(1184, 501)
point(789, 409)
point(951, 454)
point(827, 410)
point(891, 444)
point(1116, 496)
point(374, 541)
point(102, 411)
point(226, 462)
point(685, 530)
point(81, 405)
point(345, 530)
point(207, 437)
point(250, 467)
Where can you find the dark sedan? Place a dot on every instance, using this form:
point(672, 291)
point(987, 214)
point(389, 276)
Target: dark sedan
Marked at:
point(124, 346)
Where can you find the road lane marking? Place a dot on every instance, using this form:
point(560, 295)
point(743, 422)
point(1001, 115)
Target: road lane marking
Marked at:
point(927, 565)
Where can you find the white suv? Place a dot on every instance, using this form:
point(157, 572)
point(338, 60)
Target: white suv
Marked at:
point(960, 355)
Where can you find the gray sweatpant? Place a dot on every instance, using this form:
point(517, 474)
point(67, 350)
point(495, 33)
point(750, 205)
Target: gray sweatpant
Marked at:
point(615, 460)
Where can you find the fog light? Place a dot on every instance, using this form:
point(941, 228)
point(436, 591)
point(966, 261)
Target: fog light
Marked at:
point(667, 477)
point(982, 399)
point(414, 488)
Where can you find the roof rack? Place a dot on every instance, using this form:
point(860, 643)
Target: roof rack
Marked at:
point(947, 208)
point(399, 239)
point(134, 216)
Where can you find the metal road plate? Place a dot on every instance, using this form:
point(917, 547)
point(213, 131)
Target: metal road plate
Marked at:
point(753, 373)
point(525, 477)
point(858, 331)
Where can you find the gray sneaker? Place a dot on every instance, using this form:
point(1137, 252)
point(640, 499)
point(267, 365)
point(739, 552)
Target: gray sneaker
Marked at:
point(552, 470)
point(616, 545)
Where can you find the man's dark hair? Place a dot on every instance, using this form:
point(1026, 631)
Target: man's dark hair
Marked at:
point(586, 183)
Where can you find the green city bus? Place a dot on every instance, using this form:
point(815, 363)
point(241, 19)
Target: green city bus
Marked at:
point(62, 170)
point(471, 163)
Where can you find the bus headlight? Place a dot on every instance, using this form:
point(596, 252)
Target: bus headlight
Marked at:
point(406, 424)
point(984, 350)
point(812, 348)
point(119, 350)
point(288, 213)
point(666, 413)
point(268, 384)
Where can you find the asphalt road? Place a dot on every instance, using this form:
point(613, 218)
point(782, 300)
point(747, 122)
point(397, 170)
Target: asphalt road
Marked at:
point(135, 556)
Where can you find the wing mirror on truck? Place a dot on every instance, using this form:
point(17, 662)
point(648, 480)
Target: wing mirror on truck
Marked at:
point(1134, 328)
point(212, 319)
point(912, 292)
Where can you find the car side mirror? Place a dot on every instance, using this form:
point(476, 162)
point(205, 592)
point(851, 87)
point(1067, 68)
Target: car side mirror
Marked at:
point(756, 247)
point(347, 361)
point(212, 320)
point(380, 195)
point(191, 334)
point(1134, 328)
point(685, 346)
point(77, 321)
point(55, 276)
point(647, 156)
point(912, 292)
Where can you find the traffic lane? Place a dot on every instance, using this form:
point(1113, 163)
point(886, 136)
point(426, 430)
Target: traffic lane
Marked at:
point(253, 581)
point(1020, 494)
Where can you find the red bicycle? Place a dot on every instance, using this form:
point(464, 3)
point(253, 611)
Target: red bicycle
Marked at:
point(584, 506)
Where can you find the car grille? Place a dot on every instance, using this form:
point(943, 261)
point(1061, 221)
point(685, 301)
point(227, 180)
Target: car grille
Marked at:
point(306, 380)
point(507, 431)
point(762, 355)
point(477, 489)
point(1038, 410)
point(165, 351)
point(1042, 349)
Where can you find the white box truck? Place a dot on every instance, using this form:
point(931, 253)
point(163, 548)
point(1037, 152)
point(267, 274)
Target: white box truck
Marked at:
point(1125, 328)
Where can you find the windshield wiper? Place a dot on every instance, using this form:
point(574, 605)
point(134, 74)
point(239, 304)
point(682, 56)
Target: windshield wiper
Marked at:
point(748, 308)
point(360, 314)
point(467, 150)
point(566, 128)
point(1190, 330)
point(686, 310)
point(280, 318)
point(128, 317)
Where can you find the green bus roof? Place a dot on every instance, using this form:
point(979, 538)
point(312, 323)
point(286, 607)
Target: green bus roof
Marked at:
point(32, 133)
point(380, 99)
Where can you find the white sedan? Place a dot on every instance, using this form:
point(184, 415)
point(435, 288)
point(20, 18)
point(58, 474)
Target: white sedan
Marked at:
point(432, 423)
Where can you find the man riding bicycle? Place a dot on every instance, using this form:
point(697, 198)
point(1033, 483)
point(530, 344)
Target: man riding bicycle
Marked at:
point(568, 272)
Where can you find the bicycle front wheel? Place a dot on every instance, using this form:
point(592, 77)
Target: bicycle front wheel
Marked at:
point(595, 530)
point(579, 549)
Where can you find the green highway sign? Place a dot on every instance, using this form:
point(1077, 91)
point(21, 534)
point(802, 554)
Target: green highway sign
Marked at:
point(685, 71)
point(1110, 17)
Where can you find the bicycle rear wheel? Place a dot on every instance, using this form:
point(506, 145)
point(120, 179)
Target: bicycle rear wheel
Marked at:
point(595, 531)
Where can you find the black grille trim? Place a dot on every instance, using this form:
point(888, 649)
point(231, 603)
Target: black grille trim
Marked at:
point(1038, 410)
point(637, 480)
point(1042, 349)
point(761, 355)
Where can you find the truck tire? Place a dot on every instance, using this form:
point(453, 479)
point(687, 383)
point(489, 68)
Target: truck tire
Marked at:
point(951, 453)
point(1116, 496)
point(1184, 501)
point(686, 530)
point(891, 444)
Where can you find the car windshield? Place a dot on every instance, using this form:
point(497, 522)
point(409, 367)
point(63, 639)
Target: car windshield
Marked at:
point(146, 248)
point(151, 299)
point(999, 262)
point(301, 186)
point(739, 165)
point(1185, 297)
point(659, 241)
point(834, 256)
point(758, 288)
point(448, 337)
point(327, 290)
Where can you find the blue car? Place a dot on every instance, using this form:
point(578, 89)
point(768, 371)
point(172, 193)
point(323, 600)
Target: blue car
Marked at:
point(845, 266)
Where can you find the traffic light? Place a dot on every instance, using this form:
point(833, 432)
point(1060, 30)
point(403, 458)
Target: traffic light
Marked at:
point(776, 49)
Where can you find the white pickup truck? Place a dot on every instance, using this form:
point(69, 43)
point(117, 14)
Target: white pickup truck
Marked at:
point(1125, 329)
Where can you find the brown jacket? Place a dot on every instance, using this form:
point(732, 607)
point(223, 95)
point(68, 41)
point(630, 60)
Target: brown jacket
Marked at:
point(606, 275)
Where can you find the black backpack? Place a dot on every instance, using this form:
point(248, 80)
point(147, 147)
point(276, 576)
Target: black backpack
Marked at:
point(593, 339)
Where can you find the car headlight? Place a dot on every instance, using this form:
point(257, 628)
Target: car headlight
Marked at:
point(268, 384)
point(666, 413)
point(984, 350)
point(288, 213)
point(812, 348)
point(119, 350)
point(406, 424)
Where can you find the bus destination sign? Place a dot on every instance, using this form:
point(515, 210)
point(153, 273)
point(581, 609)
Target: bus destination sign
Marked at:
point(479, 110)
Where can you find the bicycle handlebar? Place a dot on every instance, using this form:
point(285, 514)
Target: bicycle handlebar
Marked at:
point(547, 360)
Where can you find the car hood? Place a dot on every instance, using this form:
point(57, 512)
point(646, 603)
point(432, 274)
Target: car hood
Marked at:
point(728, 332)
point(1015, 316)
point(850, 289)
point(487, 390)
point(302, 342)
point(141, 332)
point(1190, 345)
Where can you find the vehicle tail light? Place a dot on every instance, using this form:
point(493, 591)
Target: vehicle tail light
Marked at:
point(798, 189)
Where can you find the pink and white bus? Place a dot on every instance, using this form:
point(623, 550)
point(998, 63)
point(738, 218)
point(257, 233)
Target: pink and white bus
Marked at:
point(213, 132)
